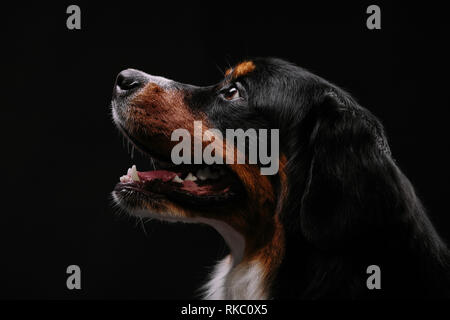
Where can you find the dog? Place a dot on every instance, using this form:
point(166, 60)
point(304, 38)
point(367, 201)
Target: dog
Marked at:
point(338, 205)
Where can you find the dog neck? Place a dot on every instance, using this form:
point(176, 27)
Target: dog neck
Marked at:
point(234, 240)
point(242, 274)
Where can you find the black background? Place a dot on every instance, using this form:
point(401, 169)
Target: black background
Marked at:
point(61, 155)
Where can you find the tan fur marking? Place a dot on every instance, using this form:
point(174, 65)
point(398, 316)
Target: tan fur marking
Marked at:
point(228, 72)
point(241, 69)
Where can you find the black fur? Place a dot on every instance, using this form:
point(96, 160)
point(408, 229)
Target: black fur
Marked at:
point(349, 205)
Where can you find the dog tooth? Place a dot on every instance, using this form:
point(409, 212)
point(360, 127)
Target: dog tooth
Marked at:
point(134, 174)
point(177, 179)
point(125, 178)
point(190, 177)
point(207, 173)
point(201, 174)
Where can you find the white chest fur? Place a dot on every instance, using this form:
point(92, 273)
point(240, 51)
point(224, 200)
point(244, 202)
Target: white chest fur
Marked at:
point(245, 281)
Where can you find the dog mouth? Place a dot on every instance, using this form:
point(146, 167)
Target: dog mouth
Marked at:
point(209, 184)
point(196, 186)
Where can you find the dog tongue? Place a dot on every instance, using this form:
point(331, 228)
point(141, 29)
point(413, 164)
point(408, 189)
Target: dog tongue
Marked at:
point(162, 175)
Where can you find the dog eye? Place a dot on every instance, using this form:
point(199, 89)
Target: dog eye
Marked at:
point(231, 93)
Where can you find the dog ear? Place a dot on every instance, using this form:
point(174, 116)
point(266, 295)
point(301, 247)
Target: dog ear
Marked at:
point(350, 186)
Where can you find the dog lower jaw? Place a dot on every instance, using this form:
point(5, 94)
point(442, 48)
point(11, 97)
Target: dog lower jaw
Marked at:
point(240, 275)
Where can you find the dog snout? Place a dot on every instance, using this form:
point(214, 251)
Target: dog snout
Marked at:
point(130, 80)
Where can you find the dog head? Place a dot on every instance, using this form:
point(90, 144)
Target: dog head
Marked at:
point(331, 151)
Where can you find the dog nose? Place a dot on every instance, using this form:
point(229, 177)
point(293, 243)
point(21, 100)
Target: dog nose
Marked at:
point(130, 79)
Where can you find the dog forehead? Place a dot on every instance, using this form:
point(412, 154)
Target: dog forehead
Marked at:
point(241, 69)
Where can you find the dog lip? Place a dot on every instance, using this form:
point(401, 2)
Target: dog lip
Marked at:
point(187, 193)
point(143, 148)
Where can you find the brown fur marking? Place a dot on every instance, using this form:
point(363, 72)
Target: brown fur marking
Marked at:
point(241, 69)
